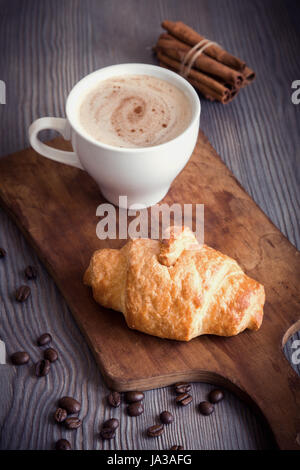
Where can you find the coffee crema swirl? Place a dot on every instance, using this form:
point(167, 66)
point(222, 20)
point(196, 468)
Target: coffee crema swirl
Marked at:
point(135, 111)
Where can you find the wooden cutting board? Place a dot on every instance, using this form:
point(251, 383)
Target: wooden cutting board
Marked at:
point(55, 206)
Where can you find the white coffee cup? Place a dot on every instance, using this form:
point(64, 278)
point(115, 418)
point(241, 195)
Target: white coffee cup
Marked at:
point(145, 174)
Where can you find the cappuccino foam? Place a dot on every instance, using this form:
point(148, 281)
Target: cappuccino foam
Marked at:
point(135, 111)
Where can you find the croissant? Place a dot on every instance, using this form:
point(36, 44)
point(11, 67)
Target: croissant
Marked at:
point(176, 288)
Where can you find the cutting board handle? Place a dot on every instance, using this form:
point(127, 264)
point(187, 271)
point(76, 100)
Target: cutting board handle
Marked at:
point(275, 390)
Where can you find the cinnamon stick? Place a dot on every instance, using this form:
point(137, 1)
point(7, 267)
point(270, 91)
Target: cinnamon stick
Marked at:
point(176, 49)
point(215, 73)
point(209, 87)
point(249, 76)
point(186, 34)
point(207, 93)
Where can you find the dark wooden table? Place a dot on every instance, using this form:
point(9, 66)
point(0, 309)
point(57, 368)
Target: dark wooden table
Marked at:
point(45, 48)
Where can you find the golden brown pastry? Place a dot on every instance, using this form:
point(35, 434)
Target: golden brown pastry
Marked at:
point(176, 288)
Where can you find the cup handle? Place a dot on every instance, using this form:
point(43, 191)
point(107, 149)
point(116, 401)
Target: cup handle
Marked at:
point(58, 124)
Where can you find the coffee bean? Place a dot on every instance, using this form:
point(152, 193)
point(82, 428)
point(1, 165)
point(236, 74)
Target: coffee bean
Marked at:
point(44, 339)
point(63, 444)
point(132, 397)
point(114, 399)
point(135, 409)
point(177, 447)
point(107, 433)
point(51, 355)
point(72, 423)
point(42, 368)
point(166, 417)
point(206, 408)
point(112, 423)
point(22, 293)
point(215, 396)
point(60, 415)
point(71, 405)
point(2, 252)
point(156, 430)
point(19, 358)
point(30, 272)
point(182, 387)
point(184, 399)
point(108, 428)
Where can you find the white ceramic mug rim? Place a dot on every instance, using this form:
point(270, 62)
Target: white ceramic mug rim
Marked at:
point(150, 67)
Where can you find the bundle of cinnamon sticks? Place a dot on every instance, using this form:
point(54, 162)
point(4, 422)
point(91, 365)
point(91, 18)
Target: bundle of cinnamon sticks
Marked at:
point(215, 73)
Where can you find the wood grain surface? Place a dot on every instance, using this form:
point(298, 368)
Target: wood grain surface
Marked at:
point(45, 49)
point(254, 364)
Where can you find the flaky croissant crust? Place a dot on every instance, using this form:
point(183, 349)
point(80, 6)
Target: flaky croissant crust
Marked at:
point(176, 288)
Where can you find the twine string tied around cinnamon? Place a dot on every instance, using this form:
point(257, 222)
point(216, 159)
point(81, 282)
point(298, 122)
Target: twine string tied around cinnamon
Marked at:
point(193, 54)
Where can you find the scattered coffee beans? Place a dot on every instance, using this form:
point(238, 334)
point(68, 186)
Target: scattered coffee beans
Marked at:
point(206, 408)
point(30, 272)
point(42, 368)
point(182, 387)
point(166, 417)
point(132, 397)
point(72, 423)
point(19, 358)
point(156, 430)
point(63, 444)
point(177, 447)
point(184, 399)
point(22, 293)
point(51, 355)
point(215, 396)
point(114, 399)
point(2, 253)
point(108, 428)
point(60, 415)
point(44, 339)
point(135, 409)
point(71, 405)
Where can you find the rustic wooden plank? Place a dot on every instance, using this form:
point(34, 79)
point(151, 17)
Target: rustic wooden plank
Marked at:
point(46, 47)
